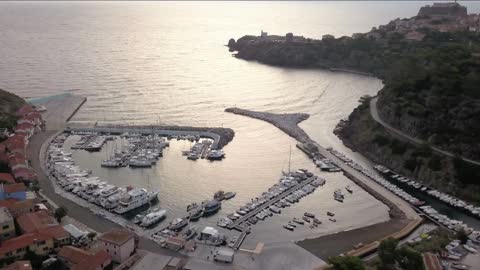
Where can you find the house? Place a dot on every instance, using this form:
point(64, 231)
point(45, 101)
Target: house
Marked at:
point(79, 259)
point(119, 243)
point(175, 243)
point(42, 221)
point(19, 265)
point(38, 243)
point(14, 191)
point(24, 110)
point(17, 207)
point(7, 226)
point(22, 174)
point(6, 178)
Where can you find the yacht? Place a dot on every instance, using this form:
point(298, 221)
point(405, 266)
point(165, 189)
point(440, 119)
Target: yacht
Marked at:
point(178, 224)
point(196, 213)
point(215, 155)
point(153, 217)
point(219, 195)
point(133, 199)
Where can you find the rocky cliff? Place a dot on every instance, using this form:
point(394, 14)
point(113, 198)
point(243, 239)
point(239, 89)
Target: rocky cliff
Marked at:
point(9, 104)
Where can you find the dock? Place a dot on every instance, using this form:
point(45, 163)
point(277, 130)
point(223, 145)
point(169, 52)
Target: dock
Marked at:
point(149, 131)
point(237, 223)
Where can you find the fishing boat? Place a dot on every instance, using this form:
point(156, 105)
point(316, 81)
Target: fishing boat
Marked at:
point(306, 219)
point(288, 227)
point(310, 215)
point(349, 189)
point(299, 221)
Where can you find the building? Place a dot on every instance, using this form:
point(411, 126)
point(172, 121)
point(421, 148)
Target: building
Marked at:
point(6, 178)
point(16, 191)
point(151, 260)
point(289, 37)
point(79, 259)
point(224, 255)
point(17, 207)
point(445, 10)
point(38, 243)
point(175, 243)
point(19, 265)
point(7, 225)
point(119, 243)
point(42, 221)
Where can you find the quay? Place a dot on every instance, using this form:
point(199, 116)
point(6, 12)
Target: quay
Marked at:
point(150, 131)
point(237, 223)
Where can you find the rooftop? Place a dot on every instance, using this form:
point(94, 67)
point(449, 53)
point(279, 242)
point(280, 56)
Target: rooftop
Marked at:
point(117, 236)
point(151, 261)
point(19, 265)
point(18, 187)
point(7, 178)
point(36, 221)
point(82, 259)
point(5, 215)
point(22, 241)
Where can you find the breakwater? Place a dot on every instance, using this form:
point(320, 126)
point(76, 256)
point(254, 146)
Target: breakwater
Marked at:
point(287, 122)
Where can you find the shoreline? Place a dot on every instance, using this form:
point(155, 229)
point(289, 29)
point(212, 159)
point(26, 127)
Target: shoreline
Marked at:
point(403, 217)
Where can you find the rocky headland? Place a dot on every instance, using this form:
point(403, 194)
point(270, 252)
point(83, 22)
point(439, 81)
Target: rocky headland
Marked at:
point(430, 92)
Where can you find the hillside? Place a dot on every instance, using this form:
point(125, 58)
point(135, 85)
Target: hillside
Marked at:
point(9, 104)
point(430, 92)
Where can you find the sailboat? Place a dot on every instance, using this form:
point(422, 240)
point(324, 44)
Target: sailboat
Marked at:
point(289, 162)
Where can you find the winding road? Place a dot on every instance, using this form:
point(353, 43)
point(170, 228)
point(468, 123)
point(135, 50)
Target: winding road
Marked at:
point(402, 135)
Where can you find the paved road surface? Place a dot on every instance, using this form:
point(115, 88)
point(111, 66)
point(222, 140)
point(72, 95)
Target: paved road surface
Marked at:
point(376, 117)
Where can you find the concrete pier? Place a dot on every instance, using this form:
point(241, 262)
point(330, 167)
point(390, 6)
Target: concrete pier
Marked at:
point(236, 223)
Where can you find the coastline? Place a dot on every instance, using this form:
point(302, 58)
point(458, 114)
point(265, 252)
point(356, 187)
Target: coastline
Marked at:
point(403, 218)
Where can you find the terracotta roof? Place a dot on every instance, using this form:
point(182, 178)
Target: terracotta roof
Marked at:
point(7, 178)
point(25, 126)
point(19, 265)
point(57, 232)
point(25, 173)
point(83, 260)
point(36, 221)
point(25, 109)
point(22, 241)
point(431, 261)
point(117, 236)
point(17, 187)
point(8, 202)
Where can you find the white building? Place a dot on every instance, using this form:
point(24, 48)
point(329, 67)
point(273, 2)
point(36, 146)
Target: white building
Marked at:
point(119, 243)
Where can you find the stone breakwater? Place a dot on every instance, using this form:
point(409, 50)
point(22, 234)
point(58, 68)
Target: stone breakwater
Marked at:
point(287, 122)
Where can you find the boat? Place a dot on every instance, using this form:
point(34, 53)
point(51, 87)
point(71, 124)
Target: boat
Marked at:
point(134, 199)
point(233, 216)
point(177, 224)
point(349, 189)
point(193, 156)
point(211, 207)
point(299, 221)
point(288, 227)
point(224, 222)
point(219, 195)
point(332, 220)
point(230, 195)
point(330, 214)
point(275, 209)
point(215, 155)
point(153, 217)
point(306, 219)
point(138, 219)
point(196, 213)
point(310, 215)
point(316, 221)
point(241, 212)
point(292, 224)
point(338, 198)
point(190, 233)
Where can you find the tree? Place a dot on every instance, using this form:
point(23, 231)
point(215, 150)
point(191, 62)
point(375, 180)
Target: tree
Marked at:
point(462, 236)
point(386, 251)
point(60, 212)
point(409, 259)
point(35, 187)
point(91, 235)
point(346, 263)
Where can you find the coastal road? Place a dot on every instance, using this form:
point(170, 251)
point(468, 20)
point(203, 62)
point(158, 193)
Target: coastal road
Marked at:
point(75, 211)
point(401, 134)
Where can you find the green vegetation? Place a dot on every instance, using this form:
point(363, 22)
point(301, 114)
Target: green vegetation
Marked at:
point(409, 259)
point(387, 251)
point(60, 212)
point(9, 104)
point(462, 236)
point(346, 263)
point(392, 255)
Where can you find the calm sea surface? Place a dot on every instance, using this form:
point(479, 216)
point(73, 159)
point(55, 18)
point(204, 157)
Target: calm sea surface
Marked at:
point(165, 62)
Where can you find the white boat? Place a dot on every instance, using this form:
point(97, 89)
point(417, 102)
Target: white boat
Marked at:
point(153, 217)
point(133, 199)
